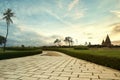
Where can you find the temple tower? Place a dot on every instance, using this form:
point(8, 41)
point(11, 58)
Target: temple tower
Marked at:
point(107, 42)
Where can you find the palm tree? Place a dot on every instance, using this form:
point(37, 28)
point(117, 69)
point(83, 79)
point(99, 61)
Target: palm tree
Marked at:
point(68, 40)
point(7, 16)
point(58, 41)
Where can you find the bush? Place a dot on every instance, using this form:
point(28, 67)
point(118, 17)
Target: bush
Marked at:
point(15, 54)
point(81, 48)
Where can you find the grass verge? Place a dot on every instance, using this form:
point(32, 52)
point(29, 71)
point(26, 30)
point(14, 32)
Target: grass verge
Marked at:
point(109, 58)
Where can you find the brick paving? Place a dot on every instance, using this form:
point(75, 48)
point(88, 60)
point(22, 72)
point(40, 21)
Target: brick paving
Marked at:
point(44, 67)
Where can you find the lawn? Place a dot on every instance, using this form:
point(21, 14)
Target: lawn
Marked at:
point(109, 57)
point(108, 52)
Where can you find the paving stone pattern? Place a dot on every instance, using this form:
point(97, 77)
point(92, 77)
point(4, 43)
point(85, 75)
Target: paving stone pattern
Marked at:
point(43, 67)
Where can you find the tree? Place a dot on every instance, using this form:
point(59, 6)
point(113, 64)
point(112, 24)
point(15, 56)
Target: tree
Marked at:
point(86, 43)
point(2, 40)
point(7, 16)
point(89, 44)
point(58, 41)
point(68, 40)
point(22, 46)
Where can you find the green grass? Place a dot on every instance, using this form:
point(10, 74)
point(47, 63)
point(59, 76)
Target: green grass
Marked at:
point(104, 56)
point(11, 53)
point(108, 52)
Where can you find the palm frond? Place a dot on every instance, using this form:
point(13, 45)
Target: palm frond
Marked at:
point(7, 15)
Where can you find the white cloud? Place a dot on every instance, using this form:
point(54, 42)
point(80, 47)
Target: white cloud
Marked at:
point(75, 11)
point(115, 31)
point(117, 13)
point(60, 4)
point(93, 33)
point(76, 14)
point(72, 4)
point(57, 17)
point(79, 15)
point(28, 36)
point(104, 3)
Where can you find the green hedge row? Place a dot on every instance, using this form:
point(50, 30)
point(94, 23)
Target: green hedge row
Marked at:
point(15, 54)
point(21, 48)
point(102, 60)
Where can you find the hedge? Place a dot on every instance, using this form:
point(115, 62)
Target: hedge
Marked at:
point(21, 48)
point(16, 54)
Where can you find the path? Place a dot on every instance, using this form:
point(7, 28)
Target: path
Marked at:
point(54, 67)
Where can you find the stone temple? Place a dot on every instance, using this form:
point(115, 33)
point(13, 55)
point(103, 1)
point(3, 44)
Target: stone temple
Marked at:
point(107, 42)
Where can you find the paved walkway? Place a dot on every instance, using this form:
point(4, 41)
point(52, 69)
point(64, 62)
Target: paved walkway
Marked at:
point(54, 67)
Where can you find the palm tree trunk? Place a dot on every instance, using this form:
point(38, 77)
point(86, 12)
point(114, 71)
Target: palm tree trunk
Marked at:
point(6, 37)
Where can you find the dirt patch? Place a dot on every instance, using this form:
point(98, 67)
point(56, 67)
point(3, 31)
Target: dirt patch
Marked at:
point(50, 53)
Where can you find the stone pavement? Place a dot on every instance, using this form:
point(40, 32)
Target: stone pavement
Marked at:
point(44, 67)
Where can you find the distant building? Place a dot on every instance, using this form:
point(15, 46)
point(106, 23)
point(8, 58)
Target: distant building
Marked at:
point(107, 42)
point(103, 42)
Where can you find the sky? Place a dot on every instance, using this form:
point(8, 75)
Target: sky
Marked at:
point(40, 22)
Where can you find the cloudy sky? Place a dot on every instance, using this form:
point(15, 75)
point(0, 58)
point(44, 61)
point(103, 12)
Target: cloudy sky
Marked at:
point(40, 22)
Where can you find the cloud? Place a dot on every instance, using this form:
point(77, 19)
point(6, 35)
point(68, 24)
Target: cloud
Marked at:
point(103, 3)
point(115, 28)
point(115, 31)
point(116, 42)
point(76, 10)
point(76, 14)
point(93, 33)
point(50, 12)
point(108, 4)
point(29, 39)
point(25, 35)
point(60, 5)
point(90, 37)
point(72, 4)
point(117, 13)
point(56, 36)
point(87, 33)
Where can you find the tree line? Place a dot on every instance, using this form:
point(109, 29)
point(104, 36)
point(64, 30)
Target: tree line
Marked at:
point(68, 40)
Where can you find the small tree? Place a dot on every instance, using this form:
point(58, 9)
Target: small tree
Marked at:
point(86, 43)
point(58, 42)
point(89, 44)
point(22, 46)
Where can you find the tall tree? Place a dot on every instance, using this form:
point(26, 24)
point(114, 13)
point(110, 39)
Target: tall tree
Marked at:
point(68, 40)
point(7, 17)
point(57, 41)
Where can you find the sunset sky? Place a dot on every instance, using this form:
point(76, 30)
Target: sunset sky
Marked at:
point(40, 22)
